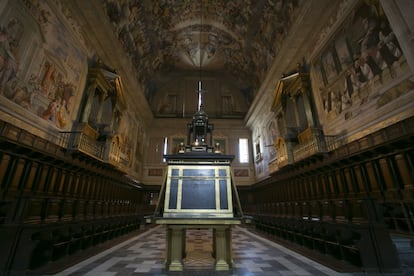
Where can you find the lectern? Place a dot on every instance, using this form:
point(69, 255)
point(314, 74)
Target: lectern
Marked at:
point(198, 192)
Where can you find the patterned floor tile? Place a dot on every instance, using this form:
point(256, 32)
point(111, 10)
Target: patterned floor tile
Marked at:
point(252, 255)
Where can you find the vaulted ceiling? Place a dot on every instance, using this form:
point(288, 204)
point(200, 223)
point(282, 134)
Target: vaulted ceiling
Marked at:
point(234, 37)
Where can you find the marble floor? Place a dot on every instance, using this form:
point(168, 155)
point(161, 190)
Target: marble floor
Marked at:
point(252, 254)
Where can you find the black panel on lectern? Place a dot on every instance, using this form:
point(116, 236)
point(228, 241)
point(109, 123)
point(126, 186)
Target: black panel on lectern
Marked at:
point(223, 194)
point(198, 194)
point(173, 194)
point(175, 172)
point(198, 172)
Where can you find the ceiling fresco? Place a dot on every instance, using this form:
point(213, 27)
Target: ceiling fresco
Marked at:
point(237, 37)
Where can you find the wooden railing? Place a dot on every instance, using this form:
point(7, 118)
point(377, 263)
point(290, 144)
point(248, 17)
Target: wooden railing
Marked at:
point(117, 154)
point(81, 142)
point(314, 144)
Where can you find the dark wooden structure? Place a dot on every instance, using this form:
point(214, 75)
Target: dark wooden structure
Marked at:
point(55, 204)
point(345, 203)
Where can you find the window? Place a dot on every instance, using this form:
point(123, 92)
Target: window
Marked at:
point(243, 150)
point(172, 104)
point(169, 106)
point(258, 149)
point(258, 153)
point(226, 104)
point(165, 148)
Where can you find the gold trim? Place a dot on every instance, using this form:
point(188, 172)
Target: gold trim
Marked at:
point(217, 211)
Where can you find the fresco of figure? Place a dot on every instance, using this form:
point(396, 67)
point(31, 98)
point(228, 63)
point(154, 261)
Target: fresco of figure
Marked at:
point(8, 58)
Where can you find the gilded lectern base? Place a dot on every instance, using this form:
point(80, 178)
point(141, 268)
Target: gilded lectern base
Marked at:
point(176, 234)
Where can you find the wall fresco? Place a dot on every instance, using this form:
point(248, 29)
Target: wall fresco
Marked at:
point(44, 82)
point(363, 57)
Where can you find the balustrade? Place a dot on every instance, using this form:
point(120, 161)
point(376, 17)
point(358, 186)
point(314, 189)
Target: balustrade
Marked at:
point(116, 154)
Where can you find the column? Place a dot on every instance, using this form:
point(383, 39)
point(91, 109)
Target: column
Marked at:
point(88, 105)
point(115, 120)
point(229, 247)
point(175, 248)
point(183, 241)
point(295, 109)
point(214, 244)
point(168, 239)
point(221, 246)
point(308, 108)
point(100, 108)
point(284, 124)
